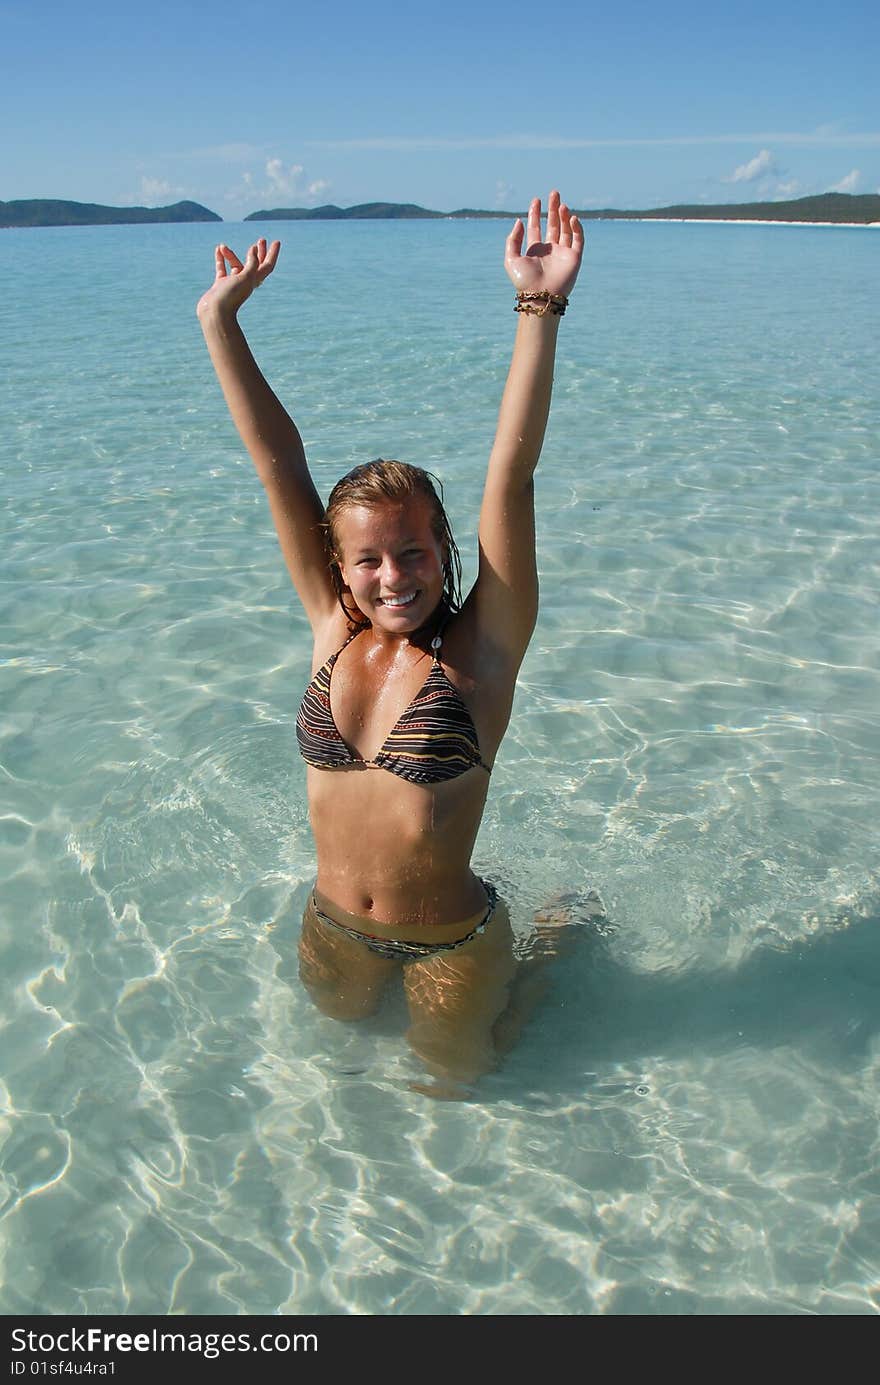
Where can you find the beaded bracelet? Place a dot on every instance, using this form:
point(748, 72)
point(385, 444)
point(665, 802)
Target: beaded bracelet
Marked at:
point(555, 303)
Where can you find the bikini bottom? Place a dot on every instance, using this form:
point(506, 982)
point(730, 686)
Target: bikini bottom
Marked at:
point(394, 951)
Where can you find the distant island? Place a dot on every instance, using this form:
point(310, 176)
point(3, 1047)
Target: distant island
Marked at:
point(829, 207)
point(49, 212)
point(364, 211)
point(836, 208)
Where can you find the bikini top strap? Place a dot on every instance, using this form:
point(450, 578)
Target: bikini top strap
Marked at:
point(353, 636)
point(437, 641)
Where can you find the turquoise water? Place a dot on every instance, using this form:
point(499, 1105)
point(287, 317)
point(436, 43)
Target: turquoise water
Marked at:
point(690, 1123)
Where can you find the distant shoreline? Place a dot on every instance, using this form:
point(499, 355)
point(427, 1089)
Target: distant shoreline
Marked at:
point(742, 221)
point(826, 209)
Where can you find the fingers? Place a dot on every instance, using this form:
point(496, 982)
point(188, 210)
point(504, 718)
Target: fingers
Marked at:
point(553, 218)
point(577, 235)
point(514, 243)
point(267, 257)
point(534, 222)
point(261, 259)
point(564, 225)
point(555, 225)
point(230, 255)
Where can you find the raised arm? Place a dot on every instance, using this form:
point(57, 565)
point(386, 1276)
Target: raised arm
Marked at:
point(266, 429)
point(506, 591)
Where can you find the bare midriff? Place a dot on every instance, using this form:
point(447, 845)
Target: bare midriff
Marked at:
point(394, 857)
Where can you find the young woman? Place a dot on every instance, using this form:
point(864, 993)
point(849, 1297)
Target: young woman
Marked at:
point(411, 689)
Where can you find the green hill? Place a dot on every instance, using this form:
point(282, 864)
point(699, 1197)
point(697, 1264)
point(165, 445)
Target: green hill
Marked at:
point(50, 212)
point(827, 207)
point(833, 207)
point(365, 211)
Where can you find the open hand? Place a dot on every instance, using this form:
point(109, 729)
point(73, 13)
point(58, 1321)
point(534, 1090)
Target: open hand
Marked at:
point(232, 286)
point(549, 266)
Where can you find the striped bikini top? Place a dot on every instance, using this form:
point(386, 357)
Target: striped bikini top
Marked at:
point(434, 739)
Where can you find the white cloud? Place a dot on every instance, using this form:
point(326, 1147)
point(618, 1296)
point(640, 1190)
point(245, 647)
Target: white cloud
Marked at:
point(281, 181)
point(504, 193)
point(767, 181)
point(849, 183)
point(756, 168)
point(279, 184)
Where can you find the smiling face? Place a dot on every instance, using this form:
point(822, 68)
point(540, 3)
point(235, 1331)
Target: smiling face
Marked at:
point(392, 563)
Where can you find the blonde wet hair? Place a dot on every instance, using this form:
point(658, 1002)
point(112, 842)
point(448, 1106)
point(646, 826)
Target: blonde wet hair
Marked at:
point(373, 484)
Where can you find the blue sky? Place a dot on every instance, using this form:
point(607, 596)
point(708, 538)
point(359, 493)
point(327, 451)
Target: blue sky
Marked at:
point(626, 104)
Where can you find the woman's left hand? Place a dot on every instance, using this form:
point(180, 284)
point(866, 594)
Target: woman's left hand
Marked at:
point(549, 266)
point(234, 285)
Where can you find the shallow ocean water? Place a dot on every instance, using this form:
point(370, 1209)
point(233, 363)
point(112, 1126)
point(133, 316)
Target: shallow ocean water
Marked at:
point(690, 1122)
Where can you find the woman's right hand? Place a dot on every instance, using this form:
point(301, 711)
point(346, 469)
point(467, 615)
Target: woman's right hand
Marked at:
point(234, 285)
